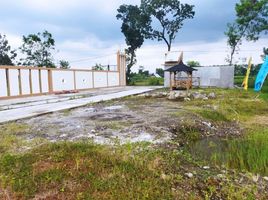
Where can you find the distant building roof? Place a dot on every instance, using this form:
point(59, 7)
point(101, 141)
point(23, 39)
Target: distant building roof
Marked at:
point(157, 76)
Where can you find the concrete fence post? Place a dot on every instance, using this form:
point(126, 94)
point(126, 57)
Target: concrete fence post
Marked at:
point(121, 67)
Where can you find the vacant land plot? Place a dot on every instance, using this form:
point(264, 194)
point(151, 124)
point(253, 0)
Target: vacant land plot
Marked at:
point(141, 147)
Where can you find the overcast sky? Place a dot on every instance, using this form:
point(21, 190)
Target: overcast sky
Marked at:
point(87, 31)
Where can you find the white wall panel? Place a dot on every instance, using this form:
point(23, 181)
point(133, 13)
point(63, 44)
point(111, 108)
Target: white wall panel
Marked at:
point(100, 79)
point(25, 84)
point(14, 82)
point(63, 80)
point(83, 80)
point(113, 79)
point(35, 81)
point(44, 75)
point(3, 83)
point(206, 74)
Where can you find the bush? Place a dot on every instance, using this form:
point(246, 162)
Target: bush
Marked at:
point(154, 81)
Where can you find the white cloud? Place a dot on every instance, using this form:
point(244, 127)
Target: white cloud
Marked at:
point(64, 6)
point(87, 52)
point(13, 40)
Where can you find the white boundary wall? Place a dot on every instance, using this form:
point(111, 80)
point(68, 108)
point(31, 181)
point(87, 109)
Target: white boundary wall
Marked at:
point(215, 76)
point(26, 81)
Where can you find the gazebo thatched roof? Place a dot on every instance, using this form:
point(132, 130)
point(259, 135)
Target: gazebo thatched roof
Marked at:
point(181, 67)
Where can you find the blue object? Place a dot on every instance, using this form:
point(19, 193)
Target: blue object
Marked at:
point(261, 75)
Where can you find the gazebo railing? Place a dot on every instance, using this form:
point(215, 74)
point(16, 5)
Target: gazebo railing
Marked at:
point(185, 82)
point(181, 83)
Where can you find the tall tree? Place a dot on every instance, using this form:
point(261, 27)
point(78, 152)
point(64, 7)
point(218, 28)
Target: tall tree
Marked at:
point(38, 49)
point(234, 37)
point(265, 53)
point(6, 54)
point(251, 21)
point(134, 23)
point(170, 14)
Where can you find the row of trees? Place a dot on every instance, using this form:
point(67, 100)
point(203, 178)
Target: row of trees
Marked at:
point(37, 50)
point(241, 70)
point(251, 23)
point(152, 19)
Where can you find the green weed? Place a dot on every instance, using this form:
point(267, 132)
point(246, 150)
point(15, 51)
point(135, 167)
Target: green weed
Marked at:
point(248, 153)
point(213, 115)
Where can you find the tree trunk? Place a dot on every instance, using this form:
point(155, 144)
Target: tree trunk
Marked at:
point(169, 47)
point(232, 56)
point(132, 56)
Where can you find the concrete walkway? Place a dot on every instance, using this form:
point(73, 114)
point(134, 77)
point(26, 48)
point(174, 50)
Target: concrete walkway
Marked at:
point(15, 109)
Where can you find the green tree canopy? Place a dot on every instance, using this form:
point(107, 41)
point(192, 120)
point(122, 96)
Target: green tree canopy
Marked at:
point(251, 21)
point(38, 49)
point(98, 67)
point(6, 54)
point(252, 18)
point(64, 64)
point(170, 14)
point(193, 63)
point(160, 72)
point(265, 52)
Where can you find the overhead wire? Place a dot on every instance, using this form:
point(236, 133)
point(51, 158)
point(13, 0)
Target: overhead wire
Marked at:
point(90, 58)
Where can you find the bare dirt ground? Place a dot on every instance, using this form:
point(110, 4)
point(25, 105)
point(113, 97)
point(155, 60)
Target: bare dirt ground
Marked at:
point(134, 119)
point(105, 123)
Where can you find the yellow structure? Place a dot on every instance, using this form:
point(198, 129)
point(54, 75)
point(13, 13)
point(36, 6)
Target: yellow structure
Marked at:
point(245, 82)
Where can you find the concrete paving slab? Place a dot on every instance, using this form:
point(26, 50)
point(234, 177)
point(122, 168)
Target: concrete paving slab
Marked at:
point(36, 106)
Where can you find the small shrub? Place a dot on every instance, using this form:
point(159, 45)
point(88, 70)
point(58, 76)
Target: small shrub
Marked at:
point(154, 81)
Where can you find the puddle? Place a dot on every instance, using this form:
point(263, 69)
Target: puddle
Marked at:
point(248, 153)
point(208, 147)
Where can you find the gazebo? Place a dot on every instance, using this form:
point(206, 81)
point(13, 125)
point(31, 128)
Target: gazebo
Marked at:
point(181, 82)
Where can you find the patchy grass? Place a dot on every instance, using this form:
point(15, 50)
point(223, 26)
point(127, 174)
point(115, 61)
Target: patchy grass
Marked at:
point(8, 136)
point(87, 171)
point(114, 125)
point(230, 105)
point(82, 171)
point(67, 112)
point(11, 140)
